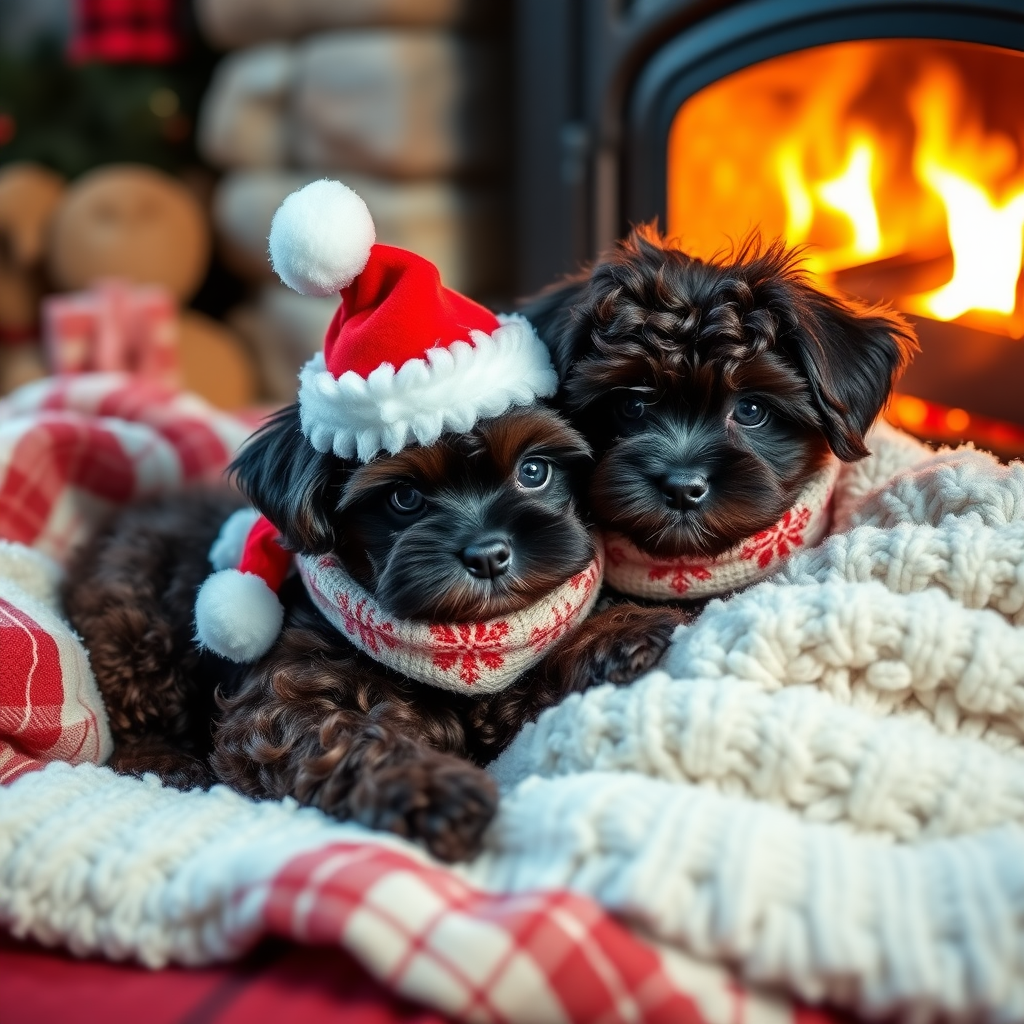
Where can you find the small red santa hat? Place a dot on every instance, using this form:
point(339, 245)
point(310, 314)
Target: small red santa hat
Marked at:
point(404, 358)
point(238, 614)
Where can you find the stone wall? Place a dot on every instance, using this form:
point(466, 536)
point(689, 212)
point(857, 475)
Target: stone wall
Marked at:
point(404, 100)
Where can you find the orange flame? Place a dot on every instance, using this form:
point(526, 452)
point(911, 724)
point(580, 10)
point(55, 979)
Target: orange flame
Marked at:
point(864, 152)
point(848, 194)
point(985, 233)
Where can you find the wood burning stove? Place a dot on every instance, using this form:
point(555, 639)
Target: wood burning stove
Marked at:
point(886, 135)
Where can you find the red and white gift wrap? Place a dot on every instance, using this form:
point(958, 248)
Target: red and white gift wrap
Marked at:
point(113, 327)
point(633, 572)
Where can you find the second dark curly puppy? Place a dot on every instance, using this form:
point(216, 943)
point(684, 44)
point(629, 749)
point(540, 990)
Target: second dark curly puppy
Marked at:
point(719, 397)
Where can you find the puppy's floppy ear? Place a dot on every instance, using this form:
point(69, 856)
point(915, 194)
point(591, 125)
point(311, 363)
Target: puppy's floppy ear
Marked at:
point(851, 354)
point(296, 487)
point(552, 314)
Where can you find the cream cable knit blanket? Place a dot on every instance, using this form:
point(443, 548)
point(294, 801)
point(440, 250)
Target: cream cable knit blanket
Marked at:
point(744, 800)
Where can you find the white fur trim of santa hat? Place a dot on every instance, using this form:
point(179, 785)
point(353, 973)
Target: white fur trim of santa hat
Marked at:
point(320, 238)
point(450, 389)
point(227, 549)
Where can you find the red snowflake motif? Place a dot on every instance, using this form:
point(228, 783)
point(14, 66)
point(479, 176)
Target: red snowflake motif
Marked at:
point(360, 621)
point(777, 541)
point(471, 647)
point(680, 574)
point(560, 623)
point(586, 580)
point(563, 619)
point(616, 555)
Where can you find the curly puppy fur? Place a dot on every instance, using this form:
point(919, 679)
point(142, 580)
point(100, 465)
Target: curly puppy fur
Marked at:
point(315, 718)
point(710, 390)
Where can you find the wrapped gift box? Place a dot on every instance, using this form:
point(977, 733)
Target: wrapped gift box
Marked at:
point(114, 326)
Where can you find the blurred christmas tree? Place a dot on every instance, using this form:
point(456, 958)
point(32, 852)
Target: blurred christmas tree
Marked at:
point(122, 85)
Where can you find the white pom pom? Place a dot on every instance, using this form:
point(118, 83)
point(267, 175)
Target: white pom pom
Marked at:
point(237, 615)
point(320, 238)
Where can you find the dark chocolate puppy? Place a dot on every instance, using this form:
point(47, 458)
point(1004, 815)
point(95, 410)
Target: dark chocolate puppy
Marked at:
point(475, 527)
point(712, 393)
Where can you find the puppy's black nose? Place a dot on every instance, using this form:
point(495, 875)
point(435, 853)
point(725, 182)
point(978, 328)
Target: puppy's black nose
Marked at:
point(488, 559)
point(683, 490)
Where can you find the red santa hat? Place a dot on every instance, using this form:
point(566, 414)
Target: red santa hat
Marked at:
point(404, 358)
point(238, 614)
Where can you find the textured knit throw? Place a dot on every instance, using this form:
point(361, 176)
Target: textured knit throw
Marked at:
point(466, 657)
point(824, 783)
point(631, 571)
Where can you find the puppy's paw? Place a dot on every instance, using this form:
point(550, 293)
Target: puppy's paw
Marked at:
point(633, 641)
point(442, 801)
point(634, 658)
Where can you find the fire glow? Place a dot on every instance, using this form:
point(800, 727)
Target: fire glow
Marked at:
point(869, 158)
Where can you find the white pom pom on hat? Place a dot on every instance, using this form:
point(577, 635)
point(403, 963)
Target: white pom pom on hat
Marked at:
point(237, 612)
point(238, 616)
point(320, 238)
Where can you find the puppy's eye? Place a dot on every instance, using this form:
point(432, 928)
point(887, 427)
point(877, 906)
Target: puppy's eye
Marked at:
point(749, 412)
point(533, 473)
point(631, 408)
point(407, 500)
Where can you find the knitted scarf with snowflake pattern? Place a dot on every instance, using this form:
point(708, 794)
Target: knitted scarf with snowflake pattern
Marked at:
point(474, 658)
point(631, 571)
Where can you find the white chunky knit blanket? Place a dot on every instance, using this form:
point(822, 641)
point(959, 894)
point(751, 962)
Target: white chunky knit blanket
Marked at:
point(824, 781)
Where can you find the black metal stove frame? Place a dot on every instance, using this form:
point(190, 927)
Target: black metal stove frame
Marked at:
point(599, 82)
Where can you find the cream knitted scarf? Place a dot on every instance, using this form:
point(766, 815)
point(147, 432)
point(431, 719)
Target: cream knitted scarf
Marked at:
point(466, 657)
point(631, 571)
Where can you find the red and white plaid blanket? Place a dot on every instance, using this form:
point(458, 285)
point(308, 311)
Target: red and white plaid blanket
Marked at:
point(72, 449)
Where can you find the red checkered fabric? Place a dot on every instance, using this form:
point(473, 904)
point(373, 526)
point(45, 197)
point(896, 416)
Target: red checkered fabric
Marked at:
point(479, 956)
point(72, 449)
point(476, 956)
point(48, 711)
point(137, 31)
